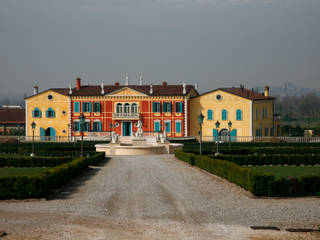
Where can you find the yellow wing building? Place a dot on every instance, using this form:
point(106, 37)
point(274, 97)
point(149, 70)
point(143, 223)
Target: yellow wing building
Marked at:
point(239, 112)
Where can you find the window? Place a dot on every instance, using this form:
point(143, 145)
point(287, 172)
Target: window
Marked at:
point(218, 97)
point(76, 126)
point(127, 108)
point(266, 113)
point(134, 108)
point(239, 114)
point(86, 107)
point(50, 97)
point(257, 114)
point(179, 107)
point(156, 107)
point(210, 115)
point(36, 113)
point(96, 107)
point(50, 113)
point(96, 126)
point(272, 132)
point(119, 108)
point(167, 107)
point(266, 132)
point(224, 114)
point(178, 126)
point(157, 126)
point(76, 107)
point(86, 126)
point(168, 126)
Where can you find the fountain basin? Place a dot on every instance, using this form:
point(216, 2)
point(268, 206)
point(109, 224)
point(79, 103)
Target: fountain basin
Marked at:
point(139, 149)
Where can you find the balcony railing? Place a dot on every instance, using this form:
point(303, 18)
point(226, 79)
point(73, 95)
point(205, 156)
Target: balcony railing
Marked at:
point(126, 115)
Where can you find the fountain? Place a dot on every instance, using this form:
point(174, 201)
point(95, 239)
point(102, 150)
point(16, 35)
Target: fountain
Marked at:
point(138, 144)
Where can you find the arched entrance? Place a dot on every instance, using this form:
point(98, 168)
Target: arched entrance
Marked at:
point(224, 135)
point(50, 134)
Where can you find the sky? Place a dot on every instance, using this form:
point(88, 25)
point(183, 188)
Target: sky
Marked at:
point(216, 43)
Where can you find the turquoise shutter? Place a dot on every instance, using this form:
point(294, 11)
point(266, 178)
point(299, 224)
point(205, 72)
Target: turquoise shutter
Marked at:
point(99, 107)
point(83, 106)
point(80, 127)
point(76, 107)
point(215, 134)
point(169, 106)
point(89, 106)
point(178, 127)
point(156, 127)
point(47, 114)
point(42, 134)
point(233, 135)
point(153, 107)
point(53, 113)
point(100, 127)
point(32, 113)
point(181, 106)
point(39, 114)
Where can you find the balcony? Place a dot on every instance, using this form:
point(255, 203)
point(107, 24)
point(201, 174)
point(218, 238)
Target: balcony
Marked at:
point(126, 116)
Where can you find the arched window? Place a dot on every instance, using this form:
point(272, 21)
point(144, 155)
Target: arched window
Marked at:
point(36, 113)
point(127, 108)
point(50, 113)
point(210, 115)
point(134, 108)
point(224, 114)
point(239, 115)
point(119, 108)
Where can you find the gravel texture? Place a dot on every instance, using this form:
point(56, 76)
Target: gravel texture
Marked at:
point(158, 196)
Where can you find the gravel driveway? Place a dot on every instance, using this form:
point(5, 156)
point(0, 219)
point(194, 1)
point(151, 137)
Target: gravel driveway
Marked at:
point(156, 196)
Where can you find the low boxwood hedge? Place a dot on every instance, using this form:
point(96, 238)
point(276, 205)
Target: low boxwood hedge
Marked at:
point(27, 161)
point(275, 159)
point(40, 186)
point(259, 183)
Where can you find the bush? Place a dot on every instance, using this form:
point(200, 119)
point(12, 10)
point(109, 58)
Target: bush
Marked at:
point(259, 183)
point(39, 186)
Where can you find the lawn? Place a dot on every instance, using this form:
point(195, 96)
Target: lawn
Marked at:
point(9, 172)
point(289, 171)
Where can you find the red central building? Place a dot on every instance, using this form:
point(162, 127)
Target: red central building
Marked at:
point(119, 107)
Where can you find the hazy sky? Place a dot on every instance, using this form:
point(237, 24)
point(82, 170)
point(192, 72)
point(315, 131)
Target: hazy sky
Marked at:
point(217, 43)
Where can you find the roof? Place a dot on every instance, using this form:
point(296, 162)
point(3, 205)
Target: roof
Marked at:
point(12, 115)
point(158, 90)
point(243, 92)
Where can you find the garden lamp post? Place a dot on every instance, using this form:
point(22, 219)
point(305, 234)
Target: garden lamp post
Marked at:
point(33, 126)
point(82, 119)
point(217, 127)
point(200, 121)
point(229, 125)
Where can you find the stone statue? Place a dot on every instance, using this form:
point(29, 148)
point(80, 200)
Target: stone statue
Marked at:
point(163, 136)
point(139, 132)
point(114, 137)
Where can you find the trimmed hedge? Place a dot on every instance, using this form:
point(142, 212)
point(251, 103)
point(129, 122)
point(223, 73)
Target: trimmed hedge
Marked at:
point(257, 182)
point(40, 186)
point(258, 160)
point(26, 161)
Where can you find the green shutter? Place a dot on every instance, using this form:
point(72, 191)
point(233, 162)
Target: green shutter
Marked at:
point(76, 107)
point(154, 107)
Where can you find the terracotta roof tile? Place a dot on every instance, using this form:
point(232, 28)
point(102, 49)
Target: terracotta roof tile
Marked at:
point(12, 115)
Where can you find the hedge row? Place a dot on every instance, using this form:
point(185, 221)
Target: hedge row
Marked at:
point(258, 160)
point(26, 161)
point(40, 186)
point(257, 182)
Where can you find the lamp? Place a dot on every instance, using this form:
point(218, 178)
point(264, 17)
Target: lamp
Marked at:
point(82, 119)
point(33, 126)
point(217, 142)
point(229, 125)
point(200, 121)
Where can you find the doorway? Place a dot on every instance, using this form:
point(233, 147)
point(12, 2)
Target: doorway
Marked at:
point(126, 128)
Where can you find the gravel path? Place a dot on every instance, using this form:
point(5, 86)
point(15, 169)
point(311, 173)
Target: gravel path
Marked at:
point(157, 192)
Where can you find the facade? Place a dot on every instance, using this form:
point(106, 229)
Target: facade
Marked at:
point(170, 108)
point(50, 111)
point(240, 112)
point(110, 108)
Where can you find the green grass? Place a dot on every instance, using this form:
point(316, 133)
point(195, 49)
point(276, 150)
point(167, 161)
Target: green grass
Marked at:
point(289, 171)
point(10, 172)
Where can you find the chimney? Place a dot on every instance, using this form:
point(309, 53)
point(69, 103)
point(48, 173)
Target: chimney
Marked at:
point(35, 90)
point(127, 80)
point(164, 84)
point(184, 91)
point(117, 84)
point(140, 80)
point(196, 86)
point(266, 91)
point(242, 88)
point(151, 89)
point(70, 89)
point(102, 89)
point(78, 83)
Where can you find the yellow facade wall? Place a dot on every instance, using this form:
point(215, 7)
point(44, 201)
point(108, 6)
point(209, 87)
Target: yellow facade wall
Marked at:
point(263, 120)
point(59, 103)
point(256, 114)
point(229, 102)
